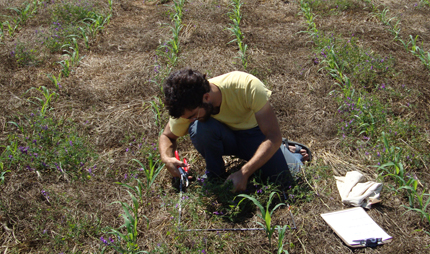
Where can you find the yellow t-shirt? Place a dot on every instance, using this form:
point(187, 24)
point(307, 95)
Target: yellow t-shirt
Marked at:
point(242, 96)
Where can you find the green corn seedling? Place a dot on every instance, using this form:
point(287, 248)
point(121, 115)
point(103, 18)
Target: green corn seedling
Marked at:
point(131, 219)
point(66, 67)
point(425, 59)
point(414, 43)
point(1, 31)
point(152, 172)
point(138, 189)
point(2, 173)
point(281, 236)
point(85, 37)
point(45, 103)
point(236, 17)
point(110, 5)
point(156, 109)
point(10, 28)
point(422, 210)
point(178, 6)
point(266, 215)
point(97, 23)
point(24, 14)
point(383, 17)
point(55, 80)
point(395, 30)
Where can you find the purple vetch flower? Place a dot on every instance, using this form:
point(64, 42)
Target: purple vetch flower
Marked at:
point(126, 150)
point(23, 149)
point(71, 143)
point(104, 241)
point(125, 176)
point(259, 191)
point(45, 194)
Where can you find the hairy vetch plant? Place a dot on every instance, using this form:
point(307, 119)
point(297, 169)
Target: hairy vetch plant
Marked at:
point(42, 143)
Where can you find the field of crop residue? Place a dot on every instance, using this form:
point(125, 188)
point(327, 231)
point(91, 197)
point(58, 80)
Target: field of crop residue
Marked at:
point(82, 109)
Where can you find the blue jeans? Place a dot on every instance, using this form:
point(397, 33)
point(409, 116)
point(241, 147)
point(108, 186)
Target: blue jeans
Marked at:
point(213, 139)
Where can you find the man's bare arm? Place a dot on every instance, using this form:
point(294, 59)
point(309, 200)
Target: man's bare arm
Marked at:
point(268, 124)
point(167, 146)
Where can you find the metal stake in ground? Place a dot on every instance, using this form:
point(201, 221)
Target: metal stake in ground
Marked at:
point(183, 182)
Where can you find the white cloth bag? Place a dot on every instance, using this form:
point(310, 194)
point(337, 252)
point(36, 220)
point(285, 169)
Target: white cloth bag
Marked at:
point(354, 192)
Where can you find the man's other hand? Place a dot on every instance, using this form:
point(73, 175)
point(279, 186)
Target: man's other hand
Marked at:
point(239, 181)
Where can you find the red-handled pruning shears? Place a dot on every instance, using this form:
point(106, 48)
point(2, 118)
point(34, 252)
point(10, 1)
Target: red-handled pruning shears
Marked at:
point(183, 170)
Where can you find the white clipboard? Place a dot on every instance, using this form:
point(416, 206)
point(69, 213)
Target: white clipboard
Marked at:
point(355, 227)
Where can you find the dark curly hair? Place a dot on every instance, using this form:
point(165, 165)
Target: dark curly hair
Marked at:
point(183, 90)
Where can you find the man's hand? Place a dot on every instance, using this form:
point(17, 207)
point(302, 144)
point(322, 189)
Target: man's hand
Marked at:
point(268, 124)
point(239, 181)
point(172, 165)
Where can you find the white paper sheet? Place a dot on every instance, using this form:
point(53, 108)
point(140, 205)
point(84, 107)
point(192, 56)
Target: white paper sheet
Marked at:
point(354, 224)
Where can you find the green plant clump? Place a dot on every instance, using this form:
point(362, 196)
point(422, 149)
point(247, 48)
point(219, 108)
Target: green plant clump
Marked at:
point(43, 143)
point(25, 56)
